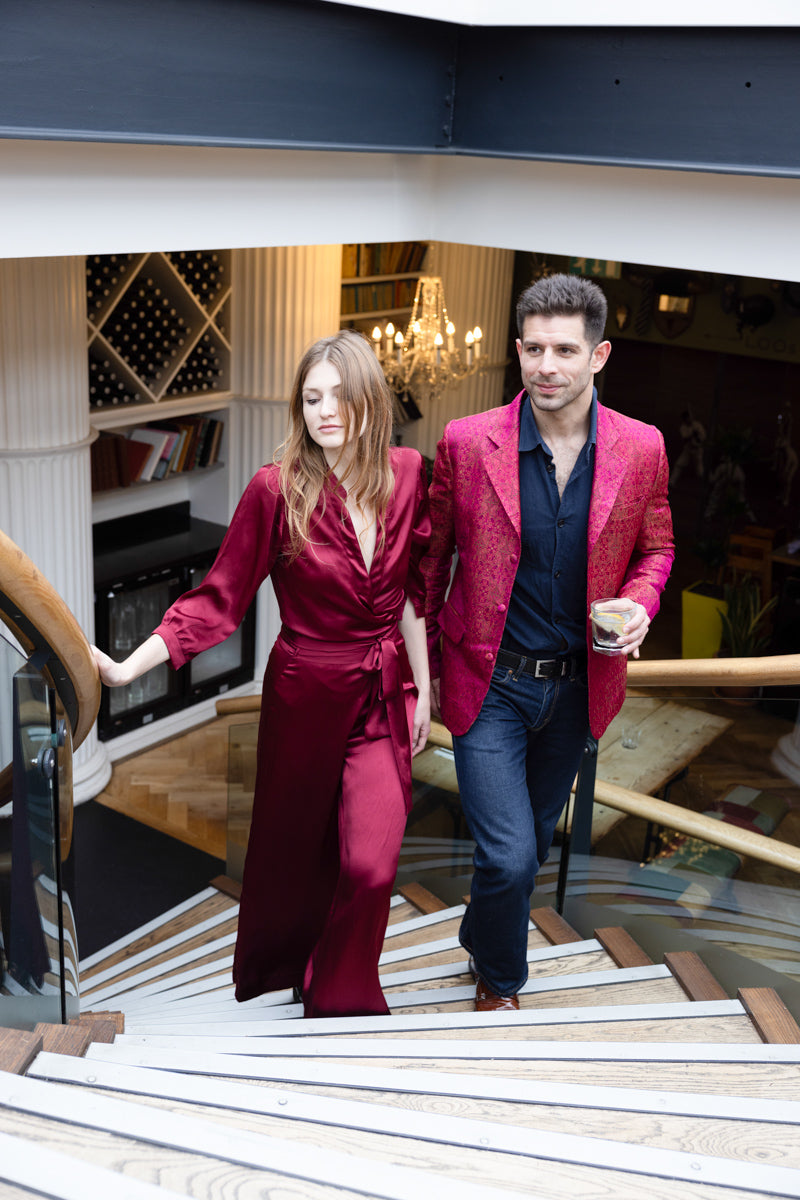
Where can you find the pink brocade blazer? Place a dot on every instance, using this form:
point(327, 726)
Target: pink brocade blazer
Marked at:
point(476, 511)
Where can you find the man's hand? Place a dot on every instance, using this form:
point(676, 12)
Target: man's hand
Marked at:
point(635, 631)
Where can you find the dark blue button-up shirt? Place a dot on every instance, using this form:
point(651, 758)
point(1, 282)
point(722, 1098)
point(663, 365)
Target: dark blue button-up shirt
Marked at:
point(547, 609)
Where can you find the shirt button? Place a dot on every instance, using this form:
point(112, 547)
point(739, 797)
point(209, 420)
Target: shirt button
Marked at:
point(512, 557)
point(550, 468)
point(556, 574)
point(561, 523)
point(489, 656)
point(501, 608)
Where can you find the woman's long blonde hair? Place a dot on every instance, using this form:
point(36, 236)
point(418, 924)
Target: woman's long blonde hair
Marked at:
point(365, 404)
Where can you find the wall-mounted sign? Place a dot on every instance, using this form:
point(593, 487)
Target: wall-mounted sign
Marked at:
point(597, 268)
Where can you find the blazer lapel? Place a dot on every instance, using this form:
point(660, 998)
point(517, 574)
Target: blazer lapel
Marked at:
point(610, 467)
point(502, 464)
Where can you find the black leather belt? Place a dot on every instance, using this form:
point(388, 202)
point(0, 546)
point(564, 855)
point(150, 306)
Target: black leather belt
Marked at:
point(541, 668)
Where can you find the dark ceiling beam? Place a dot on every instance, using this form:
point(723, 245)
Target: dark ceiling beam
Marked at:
point(261, 73)
point(698, 99)
point(312, 75)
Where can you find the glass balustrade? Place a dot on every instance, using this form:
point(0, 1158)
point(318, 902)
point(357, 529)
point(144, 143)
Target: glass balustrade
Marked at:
point(734, 759)
point(39, 948)
point(242, 737)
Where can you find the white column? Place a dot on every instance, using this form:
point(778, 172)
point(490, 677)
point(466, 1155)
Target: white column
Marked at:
point(45, 499)
point(284, 298)
point(477, 290)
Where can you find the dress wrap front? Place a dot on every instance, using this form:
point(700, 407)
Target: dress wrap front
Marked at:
point(333, 779)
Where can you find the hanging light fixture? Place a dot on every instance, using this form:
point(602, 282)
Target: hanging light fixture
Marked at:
point(424, 360)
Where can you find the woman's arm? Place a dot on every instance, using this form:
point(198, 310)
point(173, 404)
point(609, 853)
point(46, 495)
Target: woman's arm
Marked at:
point(144, 658)
point(412, 631)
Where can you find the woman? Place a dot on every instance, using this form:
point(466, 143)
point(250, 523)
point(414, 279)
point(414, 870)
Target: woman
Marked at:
point(340, 525)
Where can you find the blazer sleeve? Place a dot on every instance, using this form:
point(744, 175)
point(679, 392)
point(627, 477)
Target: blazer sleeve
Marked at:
point(420, 541)
point(650, 563)
point(437, 563)
point(211, 612)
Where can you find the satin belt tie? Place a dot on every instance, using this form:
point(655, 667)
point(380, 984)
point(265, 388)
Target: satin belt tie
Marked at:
point(381, 660)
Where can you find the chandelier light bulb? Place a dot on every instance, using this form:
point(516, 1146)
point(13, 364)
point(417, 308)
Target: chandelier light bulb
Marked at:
point(477, 333)
point(423, 360)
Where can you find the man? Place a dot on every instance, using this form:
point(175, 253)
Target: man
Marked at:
point(550, 502)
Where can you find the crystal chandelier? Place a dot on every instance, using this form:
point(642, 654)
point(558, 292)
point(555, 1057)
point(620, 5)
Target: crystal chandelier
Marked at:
point(424, 360)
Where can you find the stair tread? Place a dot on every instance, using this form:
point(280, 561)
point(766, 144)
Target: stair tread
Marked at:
point(528, 1168)
point(138, 942)
point(481, 1097)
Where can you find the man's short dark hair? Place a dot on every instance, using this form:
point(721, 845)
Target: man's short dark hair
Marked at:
point(565, 296)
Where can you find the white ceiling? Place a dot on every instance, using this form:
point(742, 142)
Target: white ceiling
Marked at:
point(61, 198)
point(608, 13)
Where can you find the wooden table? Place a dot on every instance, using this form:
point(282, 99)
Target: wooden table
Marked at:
point(781, 555)
point(671, 735)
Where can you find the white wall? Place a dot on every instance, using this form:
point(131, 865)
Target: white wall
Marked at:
point(80, 198)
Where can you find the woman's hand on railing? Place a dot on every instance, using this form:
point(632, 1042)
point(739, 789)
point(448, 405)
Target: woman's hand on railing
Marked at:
point(112, 673)
point(144, 658)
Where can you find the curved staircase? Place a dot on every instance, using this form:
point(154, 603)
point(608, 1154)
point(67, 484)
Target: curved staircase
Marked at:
point(618, 1077)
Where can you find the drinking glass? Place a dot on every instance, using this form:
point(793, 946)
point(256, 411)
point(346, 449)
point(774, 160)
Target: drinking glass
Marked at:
point(608, 618)
point(630, 737)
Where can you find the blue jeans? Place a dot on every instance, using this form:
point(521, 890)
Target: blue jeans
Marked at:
point(515, 768)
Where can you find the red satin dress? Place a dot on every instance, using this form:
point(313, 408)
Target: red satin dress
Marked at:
point(333, 780)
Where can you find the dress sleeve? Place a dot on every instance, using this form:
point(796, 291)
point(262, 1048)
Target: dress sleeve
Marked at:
point(420, 540)
point(211, 612)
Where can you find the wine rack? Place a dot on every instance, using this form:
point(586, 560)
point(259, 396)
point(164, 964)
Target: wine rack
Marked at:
point(159, 328)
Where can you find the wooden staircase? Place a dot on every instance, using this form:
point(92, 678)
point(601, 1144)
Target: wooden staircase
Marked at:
point(618, 1077)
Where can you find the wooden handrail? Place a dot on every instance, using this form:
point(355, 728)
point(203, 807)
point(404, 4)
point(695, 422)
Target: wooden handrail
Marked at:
point(686, 672)
point(693, 824)
point(40, 620)
point(714, 672)
point(230, 706)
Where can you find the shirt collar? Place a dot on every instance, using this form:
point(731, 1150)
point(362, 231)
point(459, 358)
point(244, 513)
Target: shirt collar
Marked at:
point(529, 436)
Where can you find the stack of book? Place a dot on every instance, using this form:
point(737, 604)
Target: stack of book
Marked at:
point(381, 258)
point(377, 297)
point(152, 452)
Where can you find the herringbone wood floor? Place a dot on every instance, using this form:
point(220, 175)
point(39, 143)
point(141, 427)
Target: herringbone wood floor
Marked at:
point(179, 787)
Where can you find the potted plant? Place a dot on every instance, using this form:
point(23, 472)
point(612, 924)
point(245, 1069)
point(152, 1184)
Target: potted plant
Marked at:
point(745, 629)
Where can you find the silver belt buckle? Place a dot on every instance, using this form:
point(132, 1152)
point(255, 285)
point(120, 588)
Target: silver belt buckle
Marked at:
point(543, 662)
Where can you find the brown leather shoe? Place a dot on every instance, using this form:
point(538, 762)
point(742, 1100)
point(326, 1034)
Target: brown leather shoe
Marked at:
point(488, 1001)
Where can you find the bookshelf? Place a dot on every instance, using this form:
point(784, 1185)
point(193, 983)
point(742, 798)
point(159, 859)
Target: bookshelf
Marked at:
point(379, 280)
point(153, 453)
